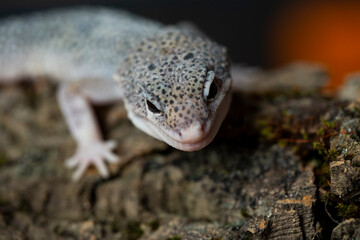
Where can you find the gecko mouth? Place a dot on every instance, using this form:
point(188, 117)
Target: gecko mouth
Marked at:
point(191, 142)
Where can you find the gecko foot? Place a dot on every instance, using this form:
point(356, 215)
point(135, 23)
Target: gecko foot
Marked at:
point(95, 153)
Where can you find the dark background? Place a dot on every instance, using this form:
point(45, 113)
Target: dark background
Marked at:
point(239, 25)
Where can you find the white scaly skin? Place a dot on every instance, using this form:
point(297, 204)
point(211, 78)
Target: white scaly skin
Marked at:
point(175, 85)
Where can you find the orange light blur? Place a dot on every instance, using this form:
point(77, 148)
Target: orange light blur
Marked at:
point(327, 32)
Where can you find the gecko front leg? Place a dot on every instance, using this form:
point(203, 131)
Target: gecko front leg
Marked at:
point(91, 148)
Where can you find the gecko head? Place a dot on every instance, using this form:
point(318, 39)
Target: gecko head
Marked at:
point(177, 88)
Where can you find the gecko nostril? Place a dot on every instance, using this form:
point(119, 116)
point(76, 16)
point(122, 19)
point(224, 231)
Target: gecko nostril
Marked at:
point(180, 134)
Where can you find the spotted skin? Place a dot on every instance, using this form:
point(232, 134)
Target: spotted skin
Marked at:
point(170, 69)
point(174, 82)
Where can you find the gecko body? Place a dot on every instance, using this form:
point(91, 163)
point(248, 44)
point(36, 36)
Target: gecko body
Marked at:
point(175, 84)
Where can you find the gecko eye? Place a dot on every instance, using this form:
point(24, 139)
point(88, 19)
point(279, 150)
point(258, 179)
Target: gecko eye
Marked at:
point(213, 91)
point(152, 108)
point(211, 87)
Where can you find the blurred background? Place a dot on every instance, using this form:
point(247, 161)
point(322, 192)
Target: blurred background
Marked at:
point(257, 32)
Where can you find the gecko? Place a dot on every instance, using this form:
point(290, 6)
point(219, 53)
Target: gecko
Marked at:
point(175, 84)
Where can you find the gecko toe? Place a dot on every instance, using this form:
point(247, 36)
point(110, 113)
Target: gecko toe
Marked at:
point(111, 144)
point(100, 166)
point(80, 170)
point(71, 162)
point(111, 157)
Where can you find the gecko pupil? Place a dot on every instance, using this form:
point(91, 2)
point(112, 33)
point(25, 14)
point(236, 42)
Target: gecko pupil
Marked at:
point(212, 92)
point(152, 107)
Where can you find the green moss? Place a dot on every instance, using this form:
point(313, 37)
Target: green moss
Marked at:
point(3, 160)
point(347, 210)
point(323, 167)
point(328, 155)
point(245, 213)
point(329, 124)
point(331, 155)
point(319, 147)
point(154, 224)
point(134, 230)
point(305, 136)
point(285, 113)
point(324, 175)
point(174, 238)
point(115, 226)
point(266, 132)
point(321, 132)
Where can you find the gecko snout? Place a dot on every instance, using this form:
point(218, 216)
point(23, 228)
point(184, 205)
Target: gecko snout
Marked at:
point(194, 133)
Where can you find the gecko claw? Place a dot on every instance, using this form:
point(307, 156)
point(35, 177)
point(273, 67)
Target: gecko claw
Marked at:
point(95, 154)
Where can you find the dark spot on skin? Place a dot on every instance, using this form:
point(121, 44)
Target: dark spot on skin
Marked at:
point(180, 115)
point(177, 88)
point(171, 102)
point(163, 91)
point(191, 96)
point(151, 67)
point(188, 56)
point(176, 109)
